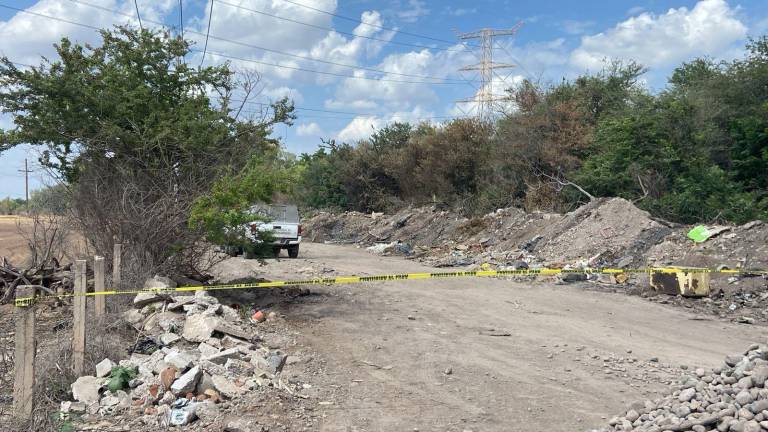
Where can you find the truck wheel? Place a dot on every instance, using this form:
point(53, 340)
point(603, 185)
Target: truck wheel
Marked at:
point(293, 251)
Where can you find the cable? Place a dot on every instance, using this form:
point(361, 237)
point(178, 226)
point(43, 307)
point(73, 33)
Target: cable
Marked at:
point(326, 73)
point(181, 18)
point(368, 24)
point(237, 43)
point(334, 30)
point(210, 17)
point(136, 3)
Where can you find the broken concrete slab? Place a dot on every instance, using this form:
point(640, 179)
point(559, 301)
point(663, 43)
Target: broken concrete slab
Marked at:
point(87, 389)
point(226, 387)
point(199, 328)
point(223, 356)
point(187, 382)
point(104, 367)
point(238, 332)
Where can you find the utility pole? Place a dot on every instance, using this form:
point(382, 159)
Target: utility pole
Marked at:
point(485, 96)
point(26, 172)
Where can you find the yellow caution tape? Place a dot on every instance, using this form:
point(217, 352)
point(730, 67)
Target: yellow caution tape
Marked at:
point(27, 301)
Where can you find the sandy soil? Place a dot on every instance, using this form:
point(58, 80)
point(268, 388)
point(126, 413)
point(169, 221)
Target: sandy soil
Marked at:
point(481, 354)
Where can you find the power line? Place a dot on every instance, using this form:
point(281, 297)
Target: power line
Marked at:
point(227, 56)
point(335, 30)
point(138, 15)
point(355, 20)
point(207, 33)
point(234, 42)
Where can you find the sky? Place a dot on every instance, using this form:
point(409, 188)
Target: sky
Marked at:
point(353, 66)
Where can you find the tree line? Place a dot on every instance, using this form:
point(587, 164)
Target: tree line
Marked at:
point(697, 151)
point(155, 154)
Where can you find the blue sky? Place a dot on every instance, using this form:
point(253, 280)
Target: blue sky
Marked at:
point(379, 61)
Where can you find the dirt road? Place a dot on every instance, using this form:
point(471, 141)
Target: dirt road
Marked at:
point(482, 354)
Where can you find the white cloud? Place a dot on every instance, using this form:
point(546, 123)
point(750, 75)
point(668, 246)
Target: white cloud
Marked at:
point(457, 12)
point(575, 27)
point(276, 93)
point(710, 28)
point(309, 130)
point(415, 10)
point(362, 127)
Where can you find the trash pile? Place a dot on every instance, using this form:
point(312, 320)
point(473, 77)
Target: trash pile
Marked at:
point(733, 397)
point(193, 353)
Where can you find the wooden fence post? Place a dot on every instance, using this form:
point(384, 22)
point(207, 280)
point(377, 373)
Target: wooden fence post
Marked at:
point(78, 324)
point(116, 263)
point(99, 301)
point(24, 382)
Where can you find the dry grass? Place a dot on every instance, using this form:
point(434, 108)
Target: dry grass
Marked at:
point(106, 338)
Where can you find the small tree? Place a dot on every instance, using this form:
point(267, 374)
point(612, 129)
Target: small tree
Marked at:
point(136, 134)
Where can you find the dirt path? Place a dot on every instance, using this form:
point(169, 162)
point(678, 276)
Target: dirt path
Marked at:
point(429, 355)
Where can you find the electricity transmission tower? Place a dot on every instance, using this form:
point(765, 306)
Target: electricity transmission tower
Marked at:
point(485, 97)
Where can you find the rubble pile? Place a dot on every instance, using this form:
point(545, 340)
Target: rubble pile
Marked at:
point(733, 397)
point(193, 355)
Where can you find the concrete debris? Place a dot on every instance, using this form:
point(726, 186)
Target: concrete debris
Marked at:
point(606, 232)
point(193, 355)
point(733, 397)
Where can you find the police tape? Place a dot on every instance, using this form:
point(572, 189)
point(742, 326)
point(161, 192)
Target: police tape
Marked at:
point(26, 301)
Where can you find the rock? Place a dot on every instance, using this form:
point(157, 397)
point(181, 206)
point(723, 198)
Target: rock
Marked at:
point(733, 360)
point(232, 330)
point(167, 377)
point(760, 376)
point(239, 367)
point(169, 338)
point(205, 384)
point(161, 282)
point(206, 350)
point(225, 387)
point(687, 394)
point(744, 397)
point(146, 298)
point(223, 356)
point(104, 368)
point(187, 382)
point(752, 426)
point(199, 328)
point(632, 415)
point(134, 317)
point(86, 389)
point(232, 342)
point(759, 406)
point(180, 360)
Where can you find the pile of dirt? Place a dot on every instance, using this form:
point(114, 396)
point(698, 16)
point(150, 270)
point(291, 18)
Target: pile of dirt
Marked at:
point(733, 397)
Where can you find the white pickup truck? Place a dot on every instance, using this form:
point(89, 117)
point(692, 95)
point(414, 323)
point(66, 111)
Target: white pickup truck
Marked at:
point(283, 222)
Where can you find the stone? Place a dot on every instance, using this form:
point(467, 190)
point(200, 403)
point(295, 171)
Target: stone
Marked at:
point(104, 368)
point(168, 376)
point(206, 350)
point(199, 328)
point(687, 394)
point(229, 314)
point(752, 426)
point(87, 389)
point(733, 360)
point(760, 376)
point(233, 342)
point(232, 330)
point(160, 282)
point(179, 359)
point(167, 398)
point(239, 424)
point(745, 383)
point(744, 397)
point(205, 384)
point(134, 318)
point(226, 387)
point(187, 382)
point(223, 356)
point(169, 338)
point(759, 406)
point(147, 298)
point(109, 400)
point(632, 415)
point(239, 367)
